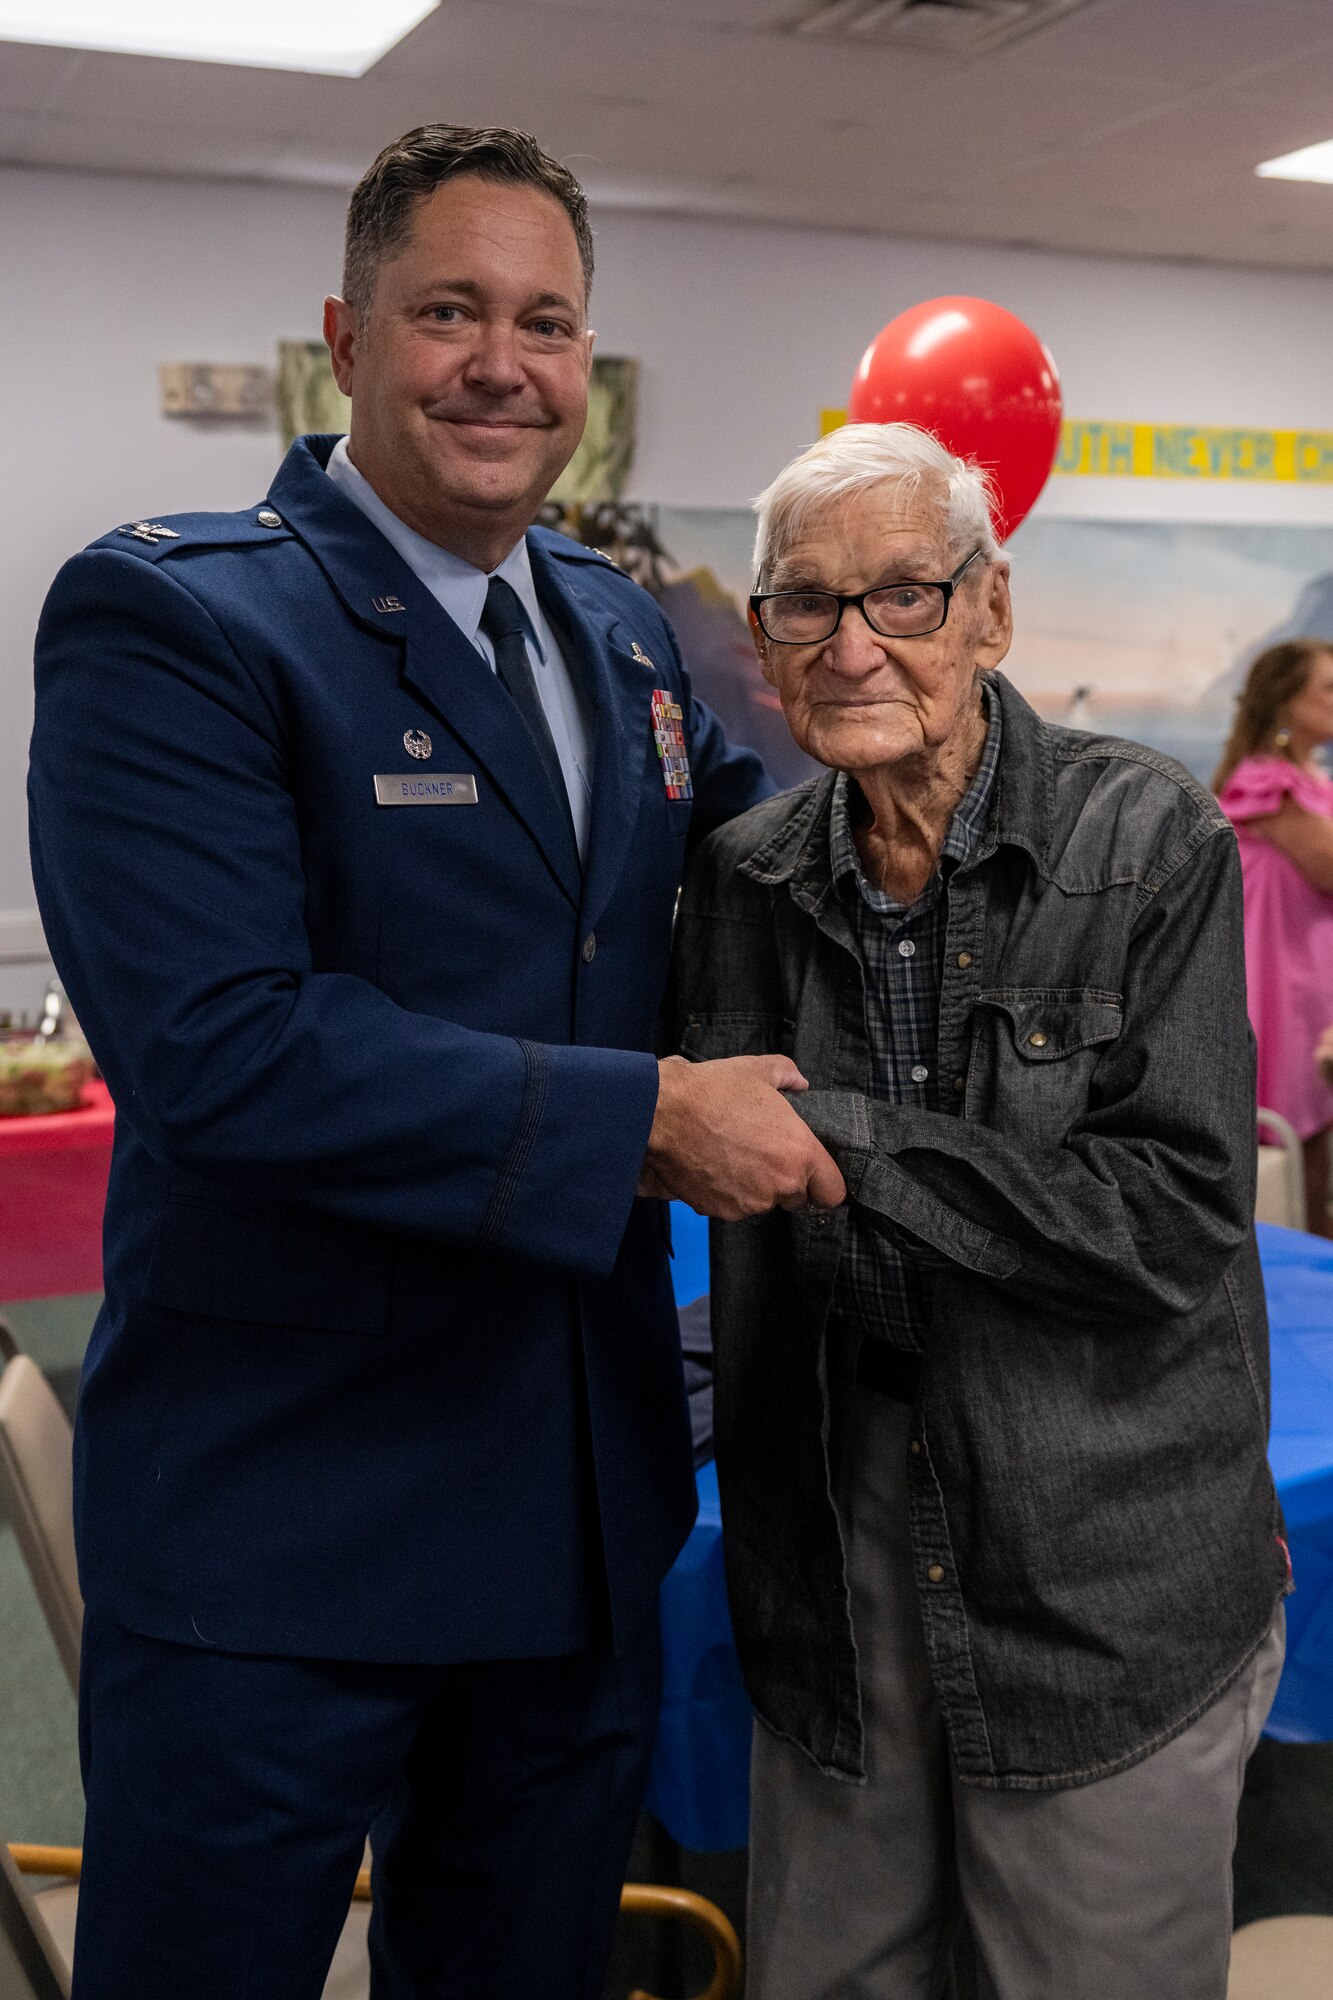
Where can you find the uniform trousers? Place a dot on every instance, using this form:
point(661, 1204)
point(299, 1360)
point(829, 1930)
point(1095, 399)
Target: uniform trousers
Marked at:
point(1110, 1891)
point(229, 1800)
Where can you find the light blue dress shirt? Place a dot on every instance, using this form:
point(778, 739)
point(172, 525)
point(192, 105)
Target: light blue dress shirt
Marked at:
point(461, 589)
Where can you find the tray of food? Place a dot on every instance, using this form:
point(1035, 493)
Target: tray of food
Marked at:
point(39, 1076)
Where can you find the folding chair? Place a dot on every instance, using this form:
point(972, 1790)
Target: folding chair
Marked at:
point(1280, 1192)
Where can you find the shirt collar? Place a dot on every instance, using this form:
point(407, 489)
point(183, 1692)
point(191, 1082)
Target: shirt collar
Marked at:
point(965, 832)
point(460, 587)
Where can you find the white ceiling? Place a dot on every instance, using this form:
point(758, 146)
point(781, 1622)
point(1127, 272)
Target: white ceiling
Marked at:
point(1130, 126)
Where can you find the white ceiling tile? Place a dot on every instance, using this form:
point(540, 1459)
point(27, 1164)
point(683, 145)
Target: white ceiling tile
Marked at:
point(205, 95)
point(126, 148)
point(575, 46)
point(18, 129)
point(1181, 44)
point(30, 76)
point(751, 16)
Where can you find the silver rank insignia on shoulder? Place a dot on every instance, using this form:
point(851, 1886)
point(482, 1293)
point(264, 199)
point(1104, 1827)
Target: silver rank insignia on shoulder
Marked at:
point(637, 650)
point(150, 531)
point(416, 743)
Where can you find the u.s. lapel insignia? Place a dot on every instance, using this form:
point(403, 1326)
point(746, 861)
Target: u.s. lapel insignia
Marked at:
point(385, 604)
point(637, 650)
point(669, 736)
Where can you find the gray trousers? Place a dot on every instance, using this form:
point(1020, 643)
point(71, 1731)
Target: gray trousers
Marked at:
point(1119, 1890)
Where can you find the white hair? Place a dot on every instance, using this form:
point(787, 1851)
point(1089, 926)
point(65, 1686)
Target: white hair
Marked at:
point(859, 456)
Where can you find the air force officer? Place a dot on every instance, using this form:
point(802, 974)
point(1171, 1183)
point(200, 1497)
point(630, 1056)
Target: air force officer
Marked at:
point(358, 819)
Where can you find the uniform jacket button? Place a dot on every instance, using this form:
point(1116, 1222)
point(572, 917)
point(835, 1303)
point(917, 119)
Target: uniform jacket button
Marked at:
point(590, 948)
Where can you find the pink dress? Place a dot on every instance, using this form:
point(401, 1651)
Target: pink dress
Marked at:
point(1288, 943)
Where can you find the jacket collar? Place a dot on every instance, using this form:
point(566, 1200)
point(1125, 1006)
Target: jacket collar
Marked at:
point(616, 679)
point(366, 571)
point(387, 598)
point(1024, 808)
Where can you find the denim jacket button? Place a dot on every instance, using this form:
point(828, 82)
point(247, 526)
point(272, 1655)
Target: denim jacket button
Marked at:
point(959, 1082)
point(935, 1573)
point(1037, 1039)
point(915, 1447)
point(964, 960)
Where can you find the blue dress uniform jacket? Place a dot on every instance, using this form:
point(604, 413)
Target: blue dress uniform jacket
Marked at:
point(388, 1366)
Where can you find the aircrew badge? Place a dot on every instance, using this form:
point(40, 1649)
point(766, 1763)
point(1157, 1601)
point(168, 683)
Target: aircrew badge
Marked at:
point(669, 736)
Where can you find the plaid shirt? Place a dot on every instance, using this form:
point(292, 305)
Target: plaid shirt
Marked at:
point(879, 1289)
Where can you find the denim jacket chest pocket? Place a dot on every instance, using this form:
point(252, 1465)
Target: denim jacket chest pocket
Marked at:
point(736, 1032)
point(1034, 1052)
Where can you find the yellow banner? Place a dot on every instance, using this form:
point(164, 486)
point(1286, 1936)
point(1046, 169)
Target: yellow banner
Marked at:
point(1179, 451)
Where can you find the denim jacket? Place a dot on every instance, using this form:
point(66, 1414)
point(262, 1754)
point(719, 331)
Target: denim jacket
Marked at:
point(1094, 1526)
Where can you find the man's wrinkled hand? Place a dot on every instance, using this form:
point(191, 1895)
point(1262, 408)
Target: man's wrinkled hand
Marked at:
point(726, 1140)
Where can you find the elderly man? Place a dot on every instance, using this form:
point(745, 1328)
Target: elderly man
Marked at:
point(1005, 1558)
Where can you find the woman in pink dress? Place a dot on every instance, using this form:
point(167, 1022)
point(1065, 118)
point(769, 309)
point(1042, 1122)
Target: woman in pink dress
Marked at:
point(1281, 803)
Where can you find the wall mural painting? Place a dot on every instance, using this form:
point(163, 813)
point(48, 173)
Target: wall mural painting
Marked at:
point(308, 397)
point(1138, 629)
point(601, 465)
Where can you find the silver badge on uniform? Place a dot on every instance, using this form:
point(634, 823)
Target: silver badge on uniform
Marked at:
point(417, 743)
point(425, 788)
point(150, 531)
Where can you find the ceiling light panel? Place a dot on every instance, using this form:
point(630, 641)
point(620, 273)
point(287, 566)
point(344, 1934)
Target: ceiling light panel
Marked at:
point(1310, 163)
point(329, 37)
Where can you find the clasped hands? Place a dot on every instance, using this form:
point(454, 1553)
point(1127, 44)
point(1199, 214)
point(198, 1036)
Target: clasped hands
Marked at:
point(726, 1140)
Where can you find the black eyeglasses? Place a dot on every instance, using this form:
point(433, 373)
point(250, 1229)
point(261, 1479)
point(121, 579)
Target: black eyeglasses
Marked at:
point(906, 610)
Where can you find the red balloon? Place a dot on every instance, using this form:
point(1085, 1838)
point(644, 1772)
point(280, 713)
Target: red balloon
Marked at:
point(981, 380)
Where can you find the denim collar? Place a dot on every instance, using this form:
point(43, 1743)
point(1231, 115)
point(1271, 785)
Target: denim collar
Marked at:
point(966, 830)
point(1023, 816)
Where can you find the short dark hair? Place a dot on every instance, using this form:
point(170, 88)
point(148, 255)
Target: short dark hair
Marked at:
point(379, 216)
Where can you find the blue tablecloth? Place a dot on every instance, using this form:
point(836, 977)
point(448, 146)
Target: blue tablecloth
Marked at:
point(699, 1782)
point(1298, 1278)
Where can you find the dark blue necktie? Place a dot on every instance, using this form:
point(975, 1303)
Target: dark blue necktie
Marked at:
point(503, 623)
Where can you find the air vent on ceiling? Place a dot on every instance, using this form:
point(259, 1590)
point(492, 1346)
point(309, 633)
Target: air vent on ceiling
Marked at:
point(947, 27)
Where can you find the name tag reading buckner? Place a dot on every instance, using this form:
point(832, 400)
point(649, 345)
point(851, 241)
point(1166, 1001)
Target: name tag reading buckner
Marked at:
point(421, 788)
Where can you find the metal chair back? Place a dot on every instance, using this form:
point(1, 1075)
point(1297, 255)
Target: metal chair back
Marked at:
point(37, 1486)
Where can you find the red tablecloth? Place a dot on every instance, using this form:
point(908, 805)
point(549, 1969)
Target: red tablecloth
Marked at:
point(52, 1189)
